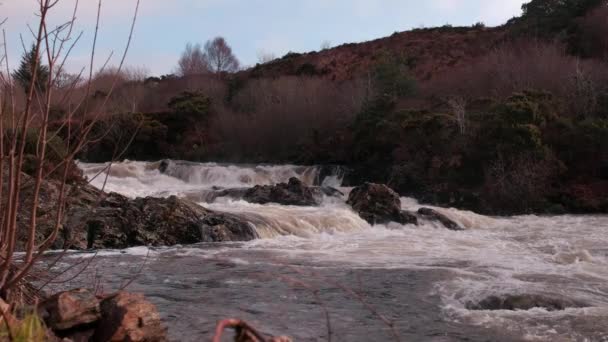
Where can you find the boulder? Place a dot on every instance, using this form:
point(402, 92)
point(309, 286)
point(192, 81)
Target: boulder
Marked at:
point(379, 204)
point(524, 302)
point(221, 227)
point(293, 193)
point(94, 219)
point(129, 317)
point(70, 309)
point(434, 215)
point(120, 222)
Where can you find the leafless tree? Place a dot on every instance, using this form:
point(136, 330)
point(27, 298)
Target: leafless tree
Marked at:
point(265, 57)
point(20, 196)
point(458, 105)
point(192, 61)
point(326, 45)
point(220, 57)
point(585, 96)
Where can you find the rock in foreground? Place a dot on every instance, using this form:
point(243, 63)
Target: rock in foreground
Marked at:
point(78, 315)
point(378, 204)
point(70, 309)
point(129, 317)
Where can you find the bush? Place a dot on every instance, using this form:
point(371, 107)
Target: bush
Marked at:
point(191, 103)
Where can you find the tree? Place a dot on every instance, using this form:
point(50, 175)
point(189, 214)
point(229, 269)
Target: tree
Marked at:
point(192, 61)
point(23, 75)
point(265, 57)
point(546, 17)
point(220, 57)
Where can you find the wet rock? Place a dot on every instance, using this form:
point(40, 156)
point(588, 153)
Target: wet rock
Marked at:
point(525, 302)
point(97, 220)
point(120, 222)
point(219, 227)
point(163, 166)
point(293, 193)
point(379, 204)
point(129, 317)
point(434, 215)
point(70, 309)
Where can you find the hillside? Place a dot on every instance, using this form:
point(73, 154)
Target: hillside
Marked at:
point(428, 52)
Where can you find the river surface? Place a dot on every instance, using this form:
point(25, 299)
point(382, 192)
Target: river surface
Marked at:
point(320, 272)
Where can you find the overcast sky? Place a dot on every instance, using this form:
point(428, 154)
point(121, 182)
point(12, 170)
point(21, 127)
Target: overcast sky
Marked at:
point(250, 26)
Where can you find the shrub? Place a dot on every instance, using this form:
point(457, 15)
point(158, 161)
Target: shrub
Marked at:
point(29, 329)
point(191, 103)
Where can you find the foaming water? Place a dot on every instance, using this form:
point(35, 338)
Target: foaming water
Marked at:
point(138, 179)
point(234, 176)
point(429, 273)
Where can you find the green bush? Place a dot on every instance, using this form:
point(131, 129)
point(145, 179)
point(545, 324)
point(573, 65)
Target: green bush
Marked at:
point(191, 103)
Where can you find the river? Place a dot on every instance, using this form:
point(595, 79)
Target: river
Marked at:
point(315, 265)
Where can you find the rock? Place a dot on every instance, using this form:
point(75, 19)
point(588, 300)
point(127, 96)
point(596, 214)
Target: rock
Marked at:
point(70, 309)
point(163, 166)
point(97, 220)
point(434, 215)
point(129, 317)
point(379, 204)
point(120, 222)
point(292, 193)
point(524, 302)
point(219, 227)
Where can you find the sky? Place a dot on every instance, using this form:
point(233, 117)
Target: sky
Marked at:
point(251, 27)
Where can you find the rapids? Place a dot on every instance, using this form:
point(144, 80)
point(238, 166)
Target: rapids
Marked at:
point(421, 278)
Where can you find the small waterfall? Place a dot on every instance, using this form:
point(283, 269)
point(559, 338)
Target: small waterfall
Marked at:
point(235, 176)
point(272, 221)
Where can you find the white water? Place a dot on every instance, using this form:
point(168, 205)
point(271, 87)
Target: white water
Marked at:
point(565, 256)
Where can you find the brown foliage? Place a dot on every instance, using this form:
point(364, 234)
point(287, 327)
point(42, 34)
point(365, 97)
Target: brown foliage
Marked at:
point(192, 61)
point(525, 64)
point(276, 117)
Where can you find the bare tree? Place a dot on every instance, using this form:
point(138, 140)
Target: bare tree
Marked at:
point(192, 61)
point(458, 105)
point(21, 196)
point(265, 57)
point(325, 45)
point(220, 57)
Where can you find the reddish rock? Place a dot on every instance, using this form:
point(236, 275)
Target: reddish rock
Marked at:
point(129, 317)
point(70, 309)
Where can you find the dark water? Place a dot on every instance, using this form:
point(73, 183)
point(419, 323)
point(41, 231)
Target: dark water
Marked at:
point(192, 294)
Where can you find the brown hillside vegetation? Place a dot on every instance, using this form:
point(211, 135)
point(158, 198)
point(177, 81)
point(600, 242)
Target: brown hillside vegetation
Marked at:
point(428, 52)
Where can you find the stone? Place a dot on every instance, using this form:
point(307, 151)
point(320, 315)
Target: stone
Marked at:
point(295, 192)
point(70, 309)
point(129, 317)
point(524, 302)
point(379, 204)
point(434, 215)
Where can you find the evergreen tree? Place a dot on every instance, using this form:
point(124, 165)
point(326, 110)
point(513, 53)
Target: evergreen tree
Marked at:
point(24, 75)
